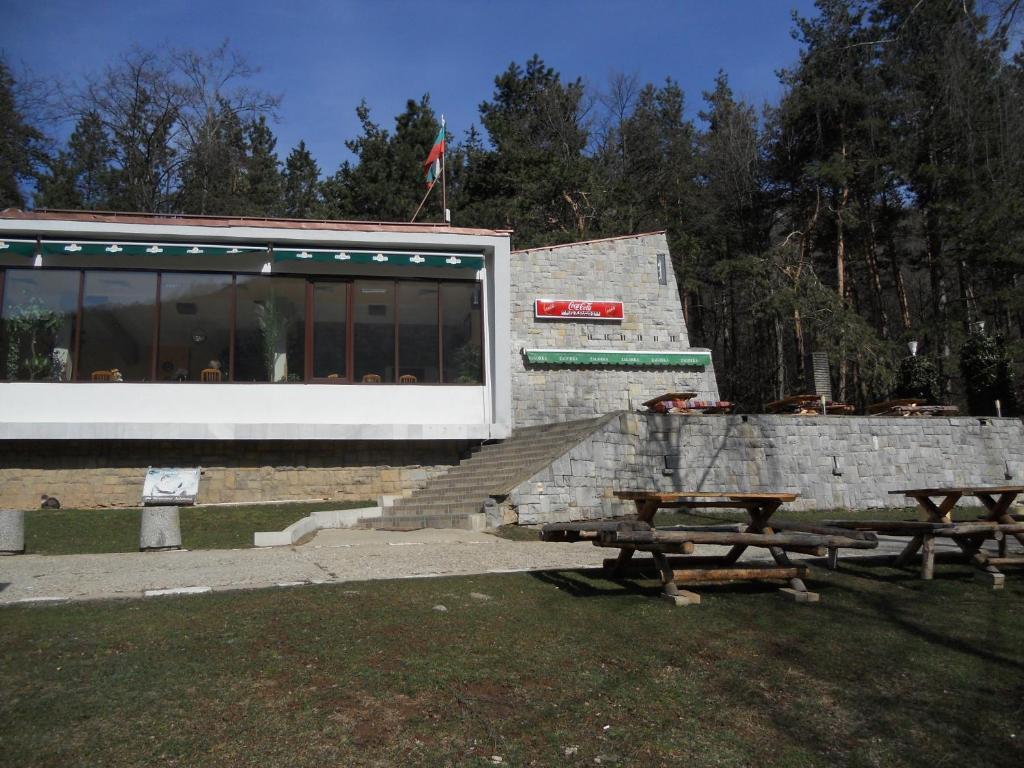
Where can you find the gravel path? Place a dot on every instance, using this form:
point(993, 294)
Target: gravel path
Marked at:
point(331, 556)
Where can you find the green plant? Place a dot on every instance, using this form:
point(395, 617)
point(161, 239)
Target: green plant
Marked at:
point(272, 322)
point(918, 377)
point(467, 364)
point(987, 375)
point(31, 331)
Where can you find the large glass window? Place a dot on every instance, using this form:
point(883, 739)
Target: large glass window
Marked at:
point(118, 312)
point(462, 333)
point(195, 327)
point(330, 330)
point(418, 354)
point(270, 329)
point(373, 318)
point(38, 318)
point(168, 326)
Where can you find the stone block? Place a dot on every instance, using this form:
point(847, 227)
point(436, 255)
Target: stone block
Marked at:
point(12, 531)
point(159, 529)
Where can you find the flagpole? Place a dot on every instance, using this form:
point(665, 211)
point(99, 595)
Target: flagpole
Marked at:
point(444, 191)
point(429, 189)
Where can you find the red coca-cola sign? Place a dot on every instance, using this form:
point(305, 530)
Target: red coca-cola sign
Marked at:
point(582, 310)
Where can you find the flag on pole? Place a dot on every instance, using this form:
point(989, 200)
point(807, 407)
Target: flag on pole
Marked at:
point(432, 165)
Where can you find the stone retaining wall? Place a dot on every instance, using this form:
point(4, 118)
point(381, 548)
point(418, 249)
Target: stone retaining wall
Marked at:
point(110, 473)
point(832, 461)
point(618, 269)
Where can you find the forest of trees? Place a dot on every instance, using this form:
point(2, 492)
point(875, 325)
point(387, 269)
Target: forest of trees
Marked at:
point(880, 201)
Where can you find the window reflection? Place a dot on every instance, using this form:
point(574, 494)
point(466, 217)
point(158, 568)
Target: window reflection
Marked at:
point(373, 319)
point(118, 311)
point(417, 332)
point(462, 333)
point(330, 330)
point(270, 328)
point(38, 313)
point(195, 327)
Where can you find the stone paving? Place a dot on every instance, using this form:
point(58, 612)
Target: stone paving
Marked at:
point(333, 556)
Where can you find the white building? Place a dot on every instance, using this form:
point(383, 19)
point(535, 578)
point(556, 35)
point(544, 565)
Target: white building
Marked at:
point(297, 359)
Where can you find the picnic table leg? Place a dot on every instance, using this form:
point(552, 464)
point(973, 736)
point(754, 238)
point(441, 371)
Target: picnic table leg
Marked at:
point(759, 516)
point(833, 558)
point(927, 557)
point(624, 556)
point(797, 589)
point(646, 510)
point(908, 552)
point(998, 509)
point(668, 582)
point(987, 572)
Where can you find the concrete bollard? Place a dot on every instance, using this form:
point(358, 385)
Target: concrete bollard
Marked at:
point(160, 529)
point(12, 532)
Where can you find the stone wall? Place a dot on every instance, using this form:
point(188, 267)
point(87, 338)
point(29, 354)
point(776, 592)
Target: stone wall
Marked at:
point(110, 473)
point(619, 269)
point(833, 462)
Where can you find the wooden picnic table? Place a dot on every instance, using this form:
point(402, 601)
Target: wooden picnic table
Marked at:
point(908, 406)
point(936, 505)
point(807, 405)
point(692, 406)
point(778, 537)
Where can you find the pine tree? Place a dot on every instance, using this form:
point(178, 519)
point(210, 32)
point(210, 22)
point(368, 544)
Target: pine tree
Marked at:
point(263, 171)
point(20, 144)
point(212, 175)
point(536, 179)
point(301, 182)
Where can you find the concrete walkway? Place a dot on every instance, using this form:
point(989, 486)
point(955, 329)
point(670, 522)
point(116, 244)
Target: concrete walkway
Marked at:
point(331, 556)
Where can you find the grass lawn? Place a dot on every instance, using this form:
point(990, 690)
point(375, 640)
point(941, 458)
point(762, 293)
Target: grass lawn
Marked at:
point(79, 531)
point(549, 669)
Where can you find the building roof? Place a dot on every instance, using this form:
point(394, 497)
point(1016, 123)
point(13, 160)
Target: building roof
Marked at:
point(590, 242)
point(114, 217)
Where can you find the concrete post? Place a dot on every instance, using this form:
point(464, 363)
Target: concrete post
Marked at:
point(160, 529)
point(12, 532)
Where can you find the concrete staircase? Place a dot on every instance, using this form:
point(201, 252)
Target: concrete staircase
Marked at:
point(456, 499)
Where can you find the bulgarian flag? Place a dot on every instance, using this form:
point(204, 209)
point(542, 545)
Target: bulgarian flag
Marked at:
point(432, 165)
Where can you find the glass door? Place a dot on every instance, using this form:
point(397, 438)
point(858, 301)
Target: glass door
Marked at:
point(329, 330)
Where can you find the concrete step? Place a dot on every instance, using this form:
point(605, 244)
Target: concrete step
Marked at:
point(494, 468)
point(466, 522)
point(436, 508)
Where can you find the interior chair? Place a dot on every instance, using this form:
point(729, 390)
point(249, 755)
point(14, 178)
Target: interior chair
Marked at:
point(407, 378)
point(210, 374)
point(102, 376)
point(371, 378)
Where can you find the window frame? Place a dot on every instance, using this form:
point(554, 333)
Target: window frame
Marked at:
point(308, 341)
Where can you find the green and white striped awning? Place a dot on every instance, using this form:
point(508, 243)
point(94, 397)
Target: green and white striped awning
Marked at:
point(111, 248)
point(23, 247)
point(17, 247)
point(389, 258)
point(627, 358)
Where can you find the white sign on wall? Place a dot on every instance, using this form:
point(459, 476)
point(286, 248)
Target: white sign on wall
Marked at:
point(177, 485)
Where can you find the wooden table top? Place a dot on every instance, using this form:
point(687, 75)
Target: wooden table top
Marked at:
point(967, 490)
point(902, 401)
point(670, 396)
point(679, 495)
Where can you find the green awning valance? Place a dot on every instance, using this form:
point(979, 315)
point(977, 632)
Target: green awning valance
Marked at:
point(383, 258)
point(691, 357)
point(17, 247)
point(93, 248)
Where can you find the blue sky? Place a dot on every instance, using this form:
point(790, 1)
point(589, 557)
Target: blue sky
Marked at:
point(323, 57)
